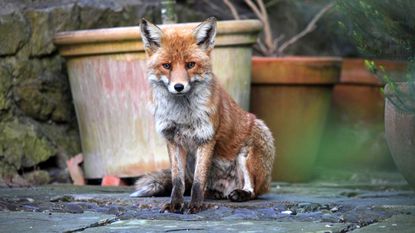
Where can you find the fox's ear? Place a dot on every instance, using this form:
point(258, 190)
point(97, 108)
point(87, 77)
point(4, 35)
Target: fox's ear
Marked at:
point(205, 33)
point(151, 35)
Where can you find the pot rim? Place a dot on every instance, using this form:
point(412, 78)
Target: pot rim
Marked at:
point(133, 32)
point(123, 40)
point(354, 71)
point(300, 58)
point(287, 71)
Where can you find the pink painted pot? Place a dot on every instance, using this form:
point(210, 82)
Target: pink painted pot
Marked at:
point(107, 73)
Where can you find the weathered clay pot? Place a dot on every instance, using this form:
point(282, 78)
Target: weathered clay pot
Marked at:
point(400, 135)
point(355, 136)
point(107, 73)
point(292, 95)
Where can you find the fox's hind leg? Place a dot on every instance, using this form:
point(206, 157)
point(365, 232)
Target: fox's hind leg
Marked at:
point(245, 193)
point(255, 163)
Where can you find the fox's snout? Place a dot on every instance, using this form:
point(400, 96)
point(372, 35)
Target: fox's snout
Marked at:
point(178, 78)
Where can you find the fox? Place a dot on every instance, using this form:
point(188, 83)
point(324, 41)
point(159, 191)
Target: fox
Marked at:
point(216, 149)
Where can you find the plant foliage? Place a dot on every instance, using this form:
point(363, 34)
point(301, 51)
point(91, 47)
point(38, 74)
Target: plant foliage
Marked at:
point(380, 28)
point(385, 29)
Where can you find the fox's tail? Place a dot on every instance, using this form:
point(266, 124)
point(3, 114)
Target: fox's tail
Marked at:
point(153, 184)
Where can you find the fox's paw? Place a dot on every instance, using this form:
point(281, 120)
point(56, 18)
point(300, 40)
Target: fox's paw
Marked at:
point(170, 207)
point(195, 207)
point(239, 195)
point(214, 194)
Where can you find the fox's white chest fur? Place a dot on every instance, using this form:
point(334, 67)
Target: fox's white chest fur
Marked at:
point(184, 120)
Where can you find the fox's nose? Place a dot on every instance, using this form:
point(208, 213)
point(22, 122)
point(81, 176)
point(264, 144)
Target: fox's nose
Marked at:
point(178, 87)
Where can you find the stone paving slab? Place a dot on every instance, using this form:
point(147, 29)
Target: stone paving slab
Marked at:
point(398, 223)
point(14, 222)
point(216, 226)
point(338, 205)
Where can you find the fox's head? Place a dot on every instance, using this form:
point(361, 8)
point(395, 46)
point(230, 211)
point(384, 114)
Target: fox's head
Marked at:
point(179, 58)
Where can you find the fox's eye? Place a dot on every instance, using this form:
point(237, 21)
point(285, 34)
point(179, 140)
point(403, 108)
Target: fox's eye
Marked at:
point(166, 66)
point(190, 65)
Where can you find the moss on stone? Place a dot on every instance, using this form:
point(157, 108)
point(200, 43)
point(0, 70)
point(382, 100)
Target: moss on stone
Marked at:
point(64, 137)
point(21, 145)
point(5, 84)
point(37, 177)
point(44, 23)
point(42, 91)
point(14, 31)
point(7, 169)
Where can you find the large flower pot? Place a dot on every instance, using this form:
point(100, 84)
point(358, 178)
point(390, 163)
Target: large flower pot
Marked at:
point(292, 95)
point(107, 74)
point(355, 137)
point(400, 134)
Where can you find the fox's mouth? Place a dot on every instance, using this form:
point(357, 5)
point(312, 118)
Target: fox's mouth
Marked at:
point(178, 94)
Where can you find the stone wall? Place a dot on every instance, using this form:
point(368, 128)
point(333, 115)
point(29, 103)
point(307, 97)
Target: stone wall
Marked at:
point(37, 118)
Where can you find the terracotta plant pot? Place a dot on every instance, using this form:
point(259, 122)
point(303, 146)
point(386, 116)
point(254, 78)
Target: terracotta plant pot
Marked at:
point(107, 73)
point(400, 135)
point(355, 136)
point(292, 95)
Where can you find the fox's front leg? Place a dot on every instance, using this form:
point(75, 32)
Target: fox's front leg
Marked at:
point(177, 156)
point(204, 156)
